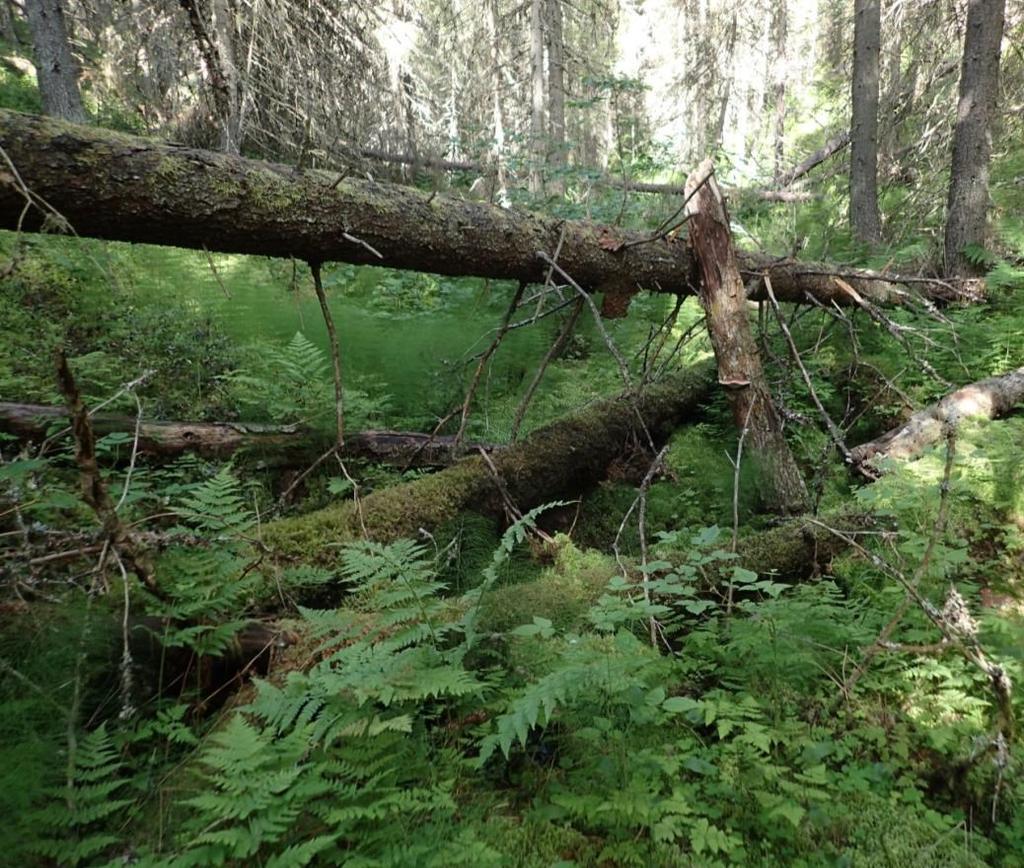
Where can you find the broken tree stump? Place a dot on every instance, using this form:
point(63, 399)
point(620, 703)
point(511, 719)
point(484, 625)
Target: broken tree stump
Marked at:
point(740, 373)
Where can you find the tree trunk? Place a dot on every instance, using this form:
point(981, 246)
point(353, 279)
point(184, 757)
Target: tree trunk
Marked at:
point(554, 462)
point(972, 141)
point(537, 146)
point(556, 95)
point(779, 38)
point(215, 37)
point(270, 445)
point(986, 399)
point(123, 188)
point(864, 218)
point(55, 65)
point(498, 150)
point(724, 299)
point(7, 30)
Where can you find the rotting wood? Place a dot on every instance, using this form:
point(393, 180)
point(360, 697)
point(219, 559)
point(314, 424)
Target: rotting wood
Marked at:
point(986, 399)
point(269, 445)
point(114, 186)
point(740, 373)
point(554, 462)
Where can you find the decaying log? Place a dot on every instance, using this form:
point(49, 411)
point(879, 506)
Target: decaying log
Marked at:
point(270, 445)
point(740, 373)
point(986, 399)
point(554, 462)
point(124, 188)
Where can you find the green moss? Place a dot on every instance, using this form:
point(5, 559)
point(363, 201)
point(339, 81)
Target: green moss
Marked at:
point(563, 593)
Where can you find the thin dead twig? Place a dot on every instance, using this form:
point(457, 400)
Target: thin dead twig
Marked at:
point(833, 429)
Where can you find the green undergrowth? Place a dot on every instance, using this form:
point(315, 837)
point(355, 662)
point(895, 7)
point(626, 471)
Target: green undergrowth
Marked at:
point(470, 699)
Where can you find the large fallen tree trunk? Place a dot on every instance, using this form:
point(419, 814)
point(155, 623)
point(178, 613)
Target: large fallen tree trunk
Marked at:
point(554, 462)
point(124, 188)
point(986, 399)
point(268, 444)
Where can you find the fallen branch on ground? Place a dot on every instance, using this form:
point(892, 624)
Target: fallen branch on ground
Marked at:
point(986, 399)
point(270, 445)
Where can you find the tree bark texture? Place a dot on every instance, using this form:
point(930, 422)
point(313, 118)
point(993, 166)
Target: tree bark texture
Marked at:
point(554, 462)
point(55, 65)
point(986, 399)
point(556, 93)
point(538, 149)
point(779, 39)
point(273, 446)
point(864, 217)
point(724, 299)
point(972, 140)
point(213, 31)
point(124, 188)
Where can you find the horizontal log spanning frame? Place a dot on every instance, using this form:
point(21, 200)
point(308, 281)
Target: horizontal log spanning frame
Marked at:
point(123, 188)
point(595, 177)
point(270, 445)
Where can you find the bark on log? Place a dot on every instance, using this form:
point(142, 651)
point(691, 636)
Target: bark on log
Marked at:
point(986, 399)
point(271, 445)
point(552, 463)
point(723, 297)
point(124, 188)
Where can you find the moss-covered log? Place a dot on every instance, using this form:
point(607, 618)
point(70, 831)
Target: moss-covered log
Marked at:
point(565, 592)
point(555, 462)
point(270, 445)
point(124, 188)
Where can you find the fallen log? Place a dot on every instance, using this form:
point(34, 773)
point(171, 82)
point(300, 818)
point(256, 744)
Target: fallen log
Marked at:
point(596, 177)
point(109, 185)
point(986, 399)
point(270, 445)
point(554, 462)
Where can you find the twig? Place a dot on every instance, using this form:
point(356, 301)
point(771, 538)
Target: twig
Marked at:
point(216, 273)
point(612, 348)
point(362, 243)
point(939, 528)
point(645, 486)
point(837, 435)
point(339, 395)
point(94, 489)
point(553, 352)
point(667, 226)
point(488, 353)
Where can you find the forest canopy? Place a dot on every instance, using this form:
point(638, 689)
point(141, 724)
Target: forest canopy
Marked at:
point(562, 432)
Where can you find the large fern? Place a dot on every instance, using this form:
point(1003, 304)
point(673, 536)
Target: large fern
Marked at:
point(76, 823)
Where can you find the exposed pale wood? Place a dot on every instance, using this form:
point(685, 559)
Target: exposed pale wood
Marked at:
point(740, 373)
point(986, 399)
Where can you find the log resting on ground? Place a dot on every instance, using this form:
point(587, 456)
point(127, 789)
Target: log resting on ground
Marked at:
point(597, 178)
point(124, 188)
point(986, 399)
point(269, 445)
point(554, 462)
